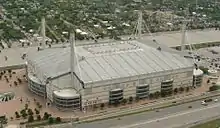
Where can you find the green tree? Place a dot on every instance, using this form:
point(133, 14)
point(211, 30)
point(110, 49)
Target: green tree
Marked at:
point(23, 112)
point(46, 116)
point(40, 106)
point(30, 118)
point(24, 115)
point(38, 117)
point(30, 112)
point(17, 115)
point(36, 111)
point(26, 106)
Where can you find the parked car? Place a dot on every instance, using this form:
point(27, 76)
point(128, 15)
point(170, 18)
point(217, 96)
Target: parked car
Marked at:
point(208, 100)
point(203, 103)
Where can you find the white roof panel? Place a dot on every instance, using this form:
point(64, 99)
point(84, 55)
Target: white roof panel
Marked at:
point(123, 64)
point(142, 63)
point(85, 75)
point(98, 69)
point(147, 57)
point(173, 59)
point(116, 66)
point(162, 60)
point(133, 63)
point(91, 73)
point(108, 68)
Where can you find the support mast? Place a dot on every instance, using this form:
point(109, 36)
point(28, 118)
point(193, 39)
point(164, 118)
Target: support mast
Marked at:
point(184, 27)
point(183, 36)
point(72, 59)
point(139, 27)
point(43, 32)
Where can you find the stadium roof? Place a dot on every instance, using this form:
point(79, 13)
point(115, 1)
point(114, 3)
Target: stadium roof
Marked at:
point(100, 62)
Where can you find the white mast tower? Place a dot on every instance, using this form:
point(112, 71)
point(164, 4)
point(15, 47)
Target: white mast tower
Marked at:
point(184, 27)
point(139, 26)
point(183, 36)
point(43, 32)
point(73, 60)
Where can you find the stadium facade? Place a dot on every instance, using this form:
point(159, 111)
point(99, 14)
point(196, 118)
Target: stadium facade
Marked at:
point(106, 73)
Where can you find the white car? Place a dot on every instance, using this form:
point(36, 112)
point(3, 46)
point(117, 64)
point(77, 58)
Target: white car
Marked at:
point(216, 100)
point(203, 103)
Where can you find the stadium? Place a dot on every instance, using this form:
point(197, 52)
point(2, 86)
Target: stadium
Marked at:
point(106, 73)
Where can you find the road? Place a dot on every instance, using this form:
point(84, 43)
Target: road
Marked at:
point(166, 118)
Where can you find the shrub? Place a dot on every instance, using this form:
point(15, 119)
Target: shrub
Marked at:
point(50, 120)
point(102, 105)
point(187, 89)
point(124, 101)
point(181, 89)
point(151, 96)
point(205, 70)
point(38, 104)
point(157, 94)
point(175, 91)
point(58, 119)
point(130, 99)
point(36, 111)
point(137, 99)
point(24, 115)
point(17, 116)
point(213, 88)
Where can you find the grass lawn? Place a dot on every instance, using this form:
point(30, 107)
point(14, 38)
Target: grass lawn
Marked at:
point(211, 124)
